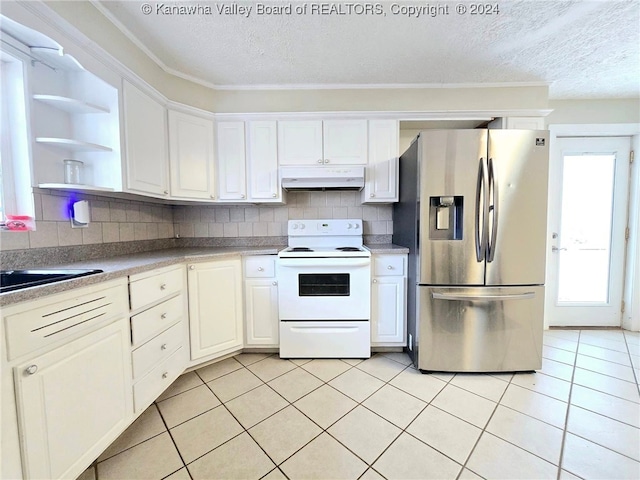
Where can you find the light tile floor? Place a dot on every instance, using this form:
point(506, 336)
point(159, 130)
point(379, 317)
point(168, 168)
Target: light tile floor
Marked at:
point(256, 416)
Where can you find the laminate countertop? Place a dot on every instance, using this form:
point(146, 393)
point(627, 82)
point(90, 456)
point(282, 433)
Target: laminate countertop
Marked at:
point(124, 265)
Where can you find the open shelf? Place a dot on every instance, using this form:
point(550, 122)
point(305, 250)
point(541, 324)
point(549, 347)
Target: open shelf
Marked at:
point(75, 187)
point(74, 145)
point(70, 105)
point(54, 57)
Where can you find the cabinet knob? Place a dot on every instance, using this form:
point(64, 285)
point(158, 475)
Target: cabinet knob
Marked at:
point(163, 286)
point(372, 195)
point(31, 369)
point(274, 195)
point(375, 281)
point(163, 316)
point(165, 374)
point(166, 192)
point(320, 161)
point(260, 269)
point(212, 196)
point(192, 267)
point(326, 161)
point(163, 346)
point(389, 267)
point(242, 196)
point(274, 283)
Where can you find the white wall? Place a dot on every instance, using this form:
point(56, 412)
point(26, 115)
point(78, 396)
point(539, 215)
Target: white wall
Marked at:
point(631, 317)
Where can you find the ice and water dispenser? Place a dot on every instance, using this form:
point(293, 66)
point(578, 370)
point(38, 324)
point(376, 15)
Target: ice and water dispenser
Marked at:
point(445, 217)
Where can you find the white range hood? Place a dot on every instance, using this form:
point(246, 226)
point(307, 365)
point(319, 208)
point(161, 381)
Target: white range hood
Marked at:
point(322, 178)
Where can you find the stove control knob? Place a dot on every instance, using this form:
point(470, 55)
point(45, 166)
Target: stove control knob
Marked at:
point(302, 226)
point(357, 226)
point(295, 226)
point(349, 226)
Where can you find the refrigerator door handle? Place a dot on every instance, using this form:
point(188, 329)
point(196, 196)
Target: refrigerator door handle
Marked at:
point(481, 225)
point(462, 296)
point(493, 209)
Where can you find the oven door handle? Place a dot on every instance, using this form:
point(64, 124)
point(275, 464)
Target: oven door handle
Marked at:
point(324, 262)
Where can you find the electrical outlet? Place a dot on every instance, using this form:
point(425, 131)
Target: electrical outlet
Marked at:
point(410, 342)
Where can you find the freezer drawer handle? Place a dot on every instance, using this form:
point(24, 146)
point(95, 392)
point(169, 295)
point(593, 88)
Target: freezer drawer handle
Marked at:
point(462, 296)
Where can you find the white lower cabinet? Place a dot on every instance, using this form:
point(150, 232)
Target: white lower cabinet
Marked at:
point(215, 307)
point(388, 301)
point(261, 301)
point(72, 383)
point(158, 331)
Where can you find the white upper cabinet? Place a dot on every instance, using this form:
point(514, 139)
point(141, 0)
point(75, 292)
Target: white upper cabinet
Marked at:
point(191, 156)
point(300, 142)
point(262, 146)
point(381, 177)
point(316, 142)
point(232, 184)
point(145, 128)
point(345, 142)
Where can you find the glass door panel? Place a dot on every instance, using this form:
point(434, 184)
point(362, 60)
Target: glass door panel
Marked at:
point(585, 228)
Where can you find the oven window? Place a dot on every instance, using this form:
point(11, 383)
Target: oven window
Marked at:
point(323, 285)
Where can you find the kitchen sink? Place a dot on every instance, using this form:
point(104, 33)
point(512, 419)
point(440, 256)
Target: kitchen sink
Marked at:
point(17, 279)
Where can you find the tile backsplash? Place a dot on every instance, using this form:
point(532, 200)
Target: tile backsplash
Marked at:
point(271, 221)
point(112, 220)
point(116, 221)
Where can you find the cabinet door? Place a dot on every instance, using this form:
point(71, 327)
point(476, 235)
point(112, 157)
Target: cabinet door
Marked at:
point(388, 295)
point(146, 142)
point(231, 161)
point(73, 402)
point(300, 142)
point(261, 311)
point(381, 178)
point(345, 142)
point(215, 307)
point(191, 156)
point(263, 161)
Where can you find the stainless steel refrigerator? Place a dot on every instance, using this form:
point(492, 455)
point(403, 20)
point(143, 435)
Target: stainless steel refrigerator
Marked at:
point(473, 213)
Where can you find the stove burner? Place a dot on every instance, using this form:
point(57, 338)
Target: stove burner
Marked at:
point(300, 249)
point(349, 249)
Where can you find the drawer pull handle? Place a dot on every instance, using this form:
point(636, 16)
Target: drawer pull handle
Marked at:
point(165, 374)
point(163, 286)
point(163, 316)
point(163, 346)
point(31, 369)
point(260, 269)
point(389, 267)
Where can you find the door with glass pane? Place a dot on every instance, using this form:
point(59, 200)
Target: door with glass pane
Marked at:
point(588, 216)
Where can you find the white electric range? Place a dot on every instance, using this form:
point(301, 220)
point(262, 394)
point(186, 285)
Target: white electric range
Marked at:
point(324, 293)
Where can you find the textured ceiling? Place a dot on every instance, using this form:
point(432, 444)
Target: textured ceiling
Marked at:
point(581, 49)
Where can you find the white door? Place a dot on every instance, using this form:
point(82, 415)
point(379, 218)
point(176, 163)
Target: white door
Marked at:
point(300, 142)
point(231, 161)
point(191, 156)
point(145, 127)
point(215, 307)
point(588, 215)
point(381, 183)
point(345, 142)
point(262, 146)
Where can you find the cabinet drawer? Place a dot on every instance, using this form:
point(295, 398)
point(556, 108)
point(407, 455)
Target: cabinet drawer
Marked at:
point(158, 379)
point(260, 267)
point(149, 323)
point(151, 289)
point(385, 265)
point(62, 316)
point(156, 350)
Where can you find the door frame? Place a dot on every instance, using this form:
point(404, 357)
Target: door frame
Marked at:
point(630, 319)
